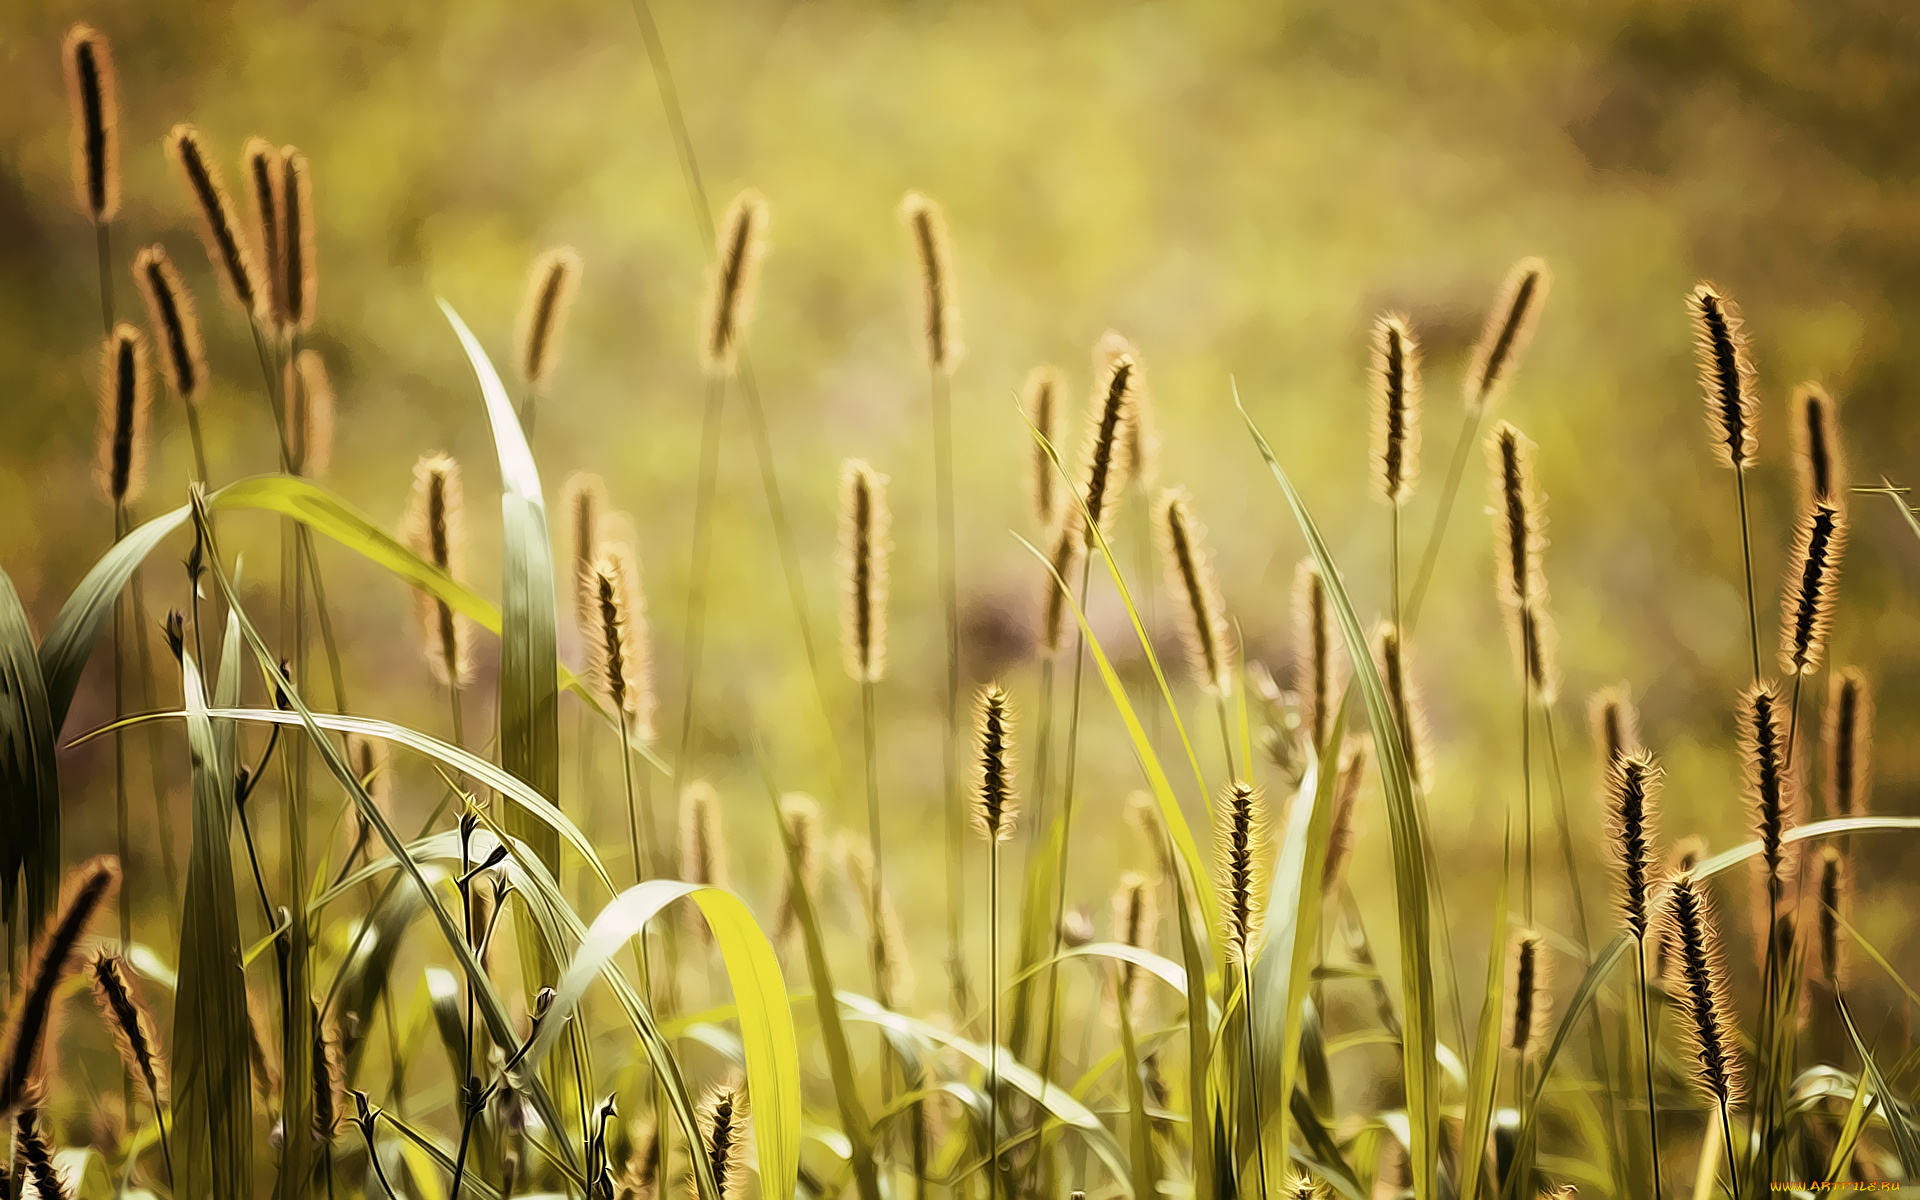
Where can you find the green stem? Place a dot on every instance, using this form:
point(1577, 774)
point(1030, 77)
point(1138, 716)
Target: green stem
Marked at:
point(1469, 429)
point(876, 888)
point(1253, 1078)
point(1746, 559)
point(993, 1018)
point(940, 391)
point(1646, 1042)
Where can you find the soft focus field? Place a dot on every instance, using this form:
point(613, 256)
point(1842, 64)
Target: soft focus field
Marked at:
point(1240, 190)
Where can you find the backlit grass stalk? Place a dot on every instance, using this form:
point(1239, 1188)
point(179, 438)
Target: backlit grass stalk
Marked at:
point(1242, 853)
point(1727, 378)
point(1396, 431)
point(125, 397)
point(174, 319)
point(1496, 357)
point(864, 551)
point(31, 1013)
point(1633, 788)
point(1700, 972)
point(1519, 537)
point(542, 324)
point(995, 806)
point(1189, 573)
point(1806, 616)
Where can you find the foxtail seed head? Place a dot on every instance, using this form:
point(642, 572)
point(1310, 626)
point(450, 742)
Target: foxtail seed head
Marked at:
point(1396, 410)
point(864, 549)
point(1834, 891)
point(1700, 975)
point(174, 322)
point(299, 272)
point(1342, 832)
point(723, 1137)
point(1509, 329)
point(616, 636)
point(87, 889)
point(1528, 1003)
point(329, 1073)
point(1812, 581)
point(1242, 857)
point(127, 1014)
point(1304, 1187)
point(126, 392)
point(703, 839)
point(926, 227)
point(96, 121)
point(436, 530)
point(35, 1155)
point(732, 282)
point(1139, 440)
point(309, 394)
point(1615, 724)
point(219, 227)
point(1771, 791)
point(1539, 641)
point(1143, 814)
point(584, 500)
point(996, 799)
point(1519, 524)
point(1726, 375)
point(801, 814)
point(1136, 923)
point(1110, 415)
point(551, 285)
point(260, 162)
point(1848, 735)
point(1042, 398)
point(1816, 447)
point(1390, 658)
point(1067, 549)
point(1317, 663)
point(1189, 569)
point(1633, 788)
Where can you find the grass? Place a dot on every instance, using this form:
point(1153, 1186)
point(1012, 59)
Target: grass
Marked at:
point(1304, 1060)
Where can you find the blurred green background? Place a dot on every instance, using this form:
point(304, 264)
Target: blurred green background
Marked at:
point(1239, 188)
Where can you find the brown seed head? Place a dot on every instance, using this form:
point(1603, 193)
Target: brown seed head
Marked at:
point(1136, 923)
point(309, 393)
point(723, 1138)
point(1726, 375)
point(1771, 792)
point(1241, 854)
point(996, 799)
point(1700, 976)
point(864, 549)
point(1519, 523)
point(926, 227)
point(1396, 410)
point(551, 285)
point(126, 393)
point(801, 813)
point(1528, 1003)
point(1304, 1187)
point(732, 281)
point(616, 636)
point(96, 121)
point(299, 274)
point(1140, 439)
point(219, 227)
point(1042, 398)
point(1538, 643)
point(1110, 416)
point(1509, 329)
point(260, 163)
point(1189, 569)
point(1835, 893)
point(1848, 737)
point(1068, 546)
point(329, 1072)
point(1143, 814)
point(1633, 788)
point(1318, 664)
point(40, 1174)
point(436, 531)
point(87, 889)
point(1342, 832)
point(1813, 579)
point(173, 320)
point(1390, 659)
point(1615, 724)
point(127, 1015)
point(1816, 447)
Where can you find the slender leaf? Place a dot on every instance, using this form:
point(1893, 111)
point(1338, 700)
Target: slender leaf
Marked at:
point(29, 774)
point(1904, 1143)
point(1484, 1078)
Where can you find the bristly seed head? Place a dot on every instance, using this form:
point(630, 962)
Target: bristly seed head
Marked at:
point(1538, 641)
point(96, 121)
point(1528, 1003)
point(1812, 581)
point(1242, 854)
point(1816, 444)
point(309, 394)
point(1726, 375)
point(261, 163)
point(1396, 410)
point(1318, 665)
point(1509, 329)
point(1848, 737)
point(723, 1137)
point(1139, 440)
point(1042, 397)
point(87, 890)
point(1700, 974)
point(732, 282)
point(35, 1155)
point(996, 800)
point(1189, 569)
point(1068, 546)
point(172, 317)
point(886, 940)
point(1519, 522)
point(1390, 659)
point(436, 531)
point(1342, 832)
point(1770, 782)
point(616, 636)
point(1304, 1187)
point(548, 300)
point(1633, 787)
point(932, 248)
point(864, 550)
point(584, 500)
point(1835, 892)
point(127, 1014)
point(1615, 724)
point(126, 392)
point(299, 272)
point(219, 228)
point(1110, 415)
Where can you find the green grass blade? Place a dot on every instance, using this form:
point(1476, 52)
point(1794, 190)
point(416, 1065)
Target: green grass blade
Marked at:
point(212, 1081)
point(29, 774)
point(1034, 939)
point(760, 997)
point(1201, 1112)
point(1139, 1132)
point(1409, 857)
point(1483, 1077)
point(1891, 1108)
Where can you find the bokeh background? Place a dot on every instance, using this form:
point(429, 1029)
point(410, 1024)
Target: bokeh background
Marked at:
point(1239, 188)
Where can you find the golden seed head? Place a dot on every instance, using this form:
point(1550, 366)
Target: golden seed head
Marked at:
point(1528, 1001)
point(551, 285)
point(309, 393)
point(299, 273)
point(1519, 520)
point(703, 839)
point(1726, 375)
point(1110, 416)
point(436, 532)
point(1342, 831)
point(864, 550)
point(1615, 724)
point(1633, 790)
point(1242, 857)
point(618, 652)
point(1042, 398)
point(219, 227)
point(91, 96)
point(723, 1118)
point(584, 500)
point(175, 323)
point(926, 227)
point(732, 282)
point(1699, 974)
point(1136, 923)
point(1390, 656)
point(1139, 438)
point(1143, 813)
point(1319, 666)
point(1847, 734)
point(1813, 580)
point(1834, 894)
point(1508, 331)
point(1396, 410)
point(801, 814)
point(1189, 570)
point(1068, 546)
point(127, 1014)
point(886, 939)
point(260, 162)
point(996, 799)
point(1816, 447)
point(36, 995)
point(126, 393)
point(1772, 794)
point(1304, 1187)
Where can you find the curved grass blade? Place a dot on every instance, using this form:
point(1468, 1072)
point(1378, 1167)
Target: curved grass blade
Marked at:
point(1409, 852)
point(766, 1023)
point(212, 1080)
point(29, 774)
point(1203, 1136)
point(1900, 1129)
point(1483, 1078)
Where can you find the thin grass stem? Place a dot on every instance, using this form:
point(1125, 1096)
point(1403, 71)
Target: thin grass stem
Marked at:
point(1746, 559)
point(993, 1017)
point(1462, 446)
point(940, 393)
point(1647, 1045)
point(694, 637)
point(1253, 1078)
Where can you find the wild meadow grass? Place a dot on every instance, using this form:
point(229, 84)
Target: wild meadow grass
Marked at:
point(604, 1015)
